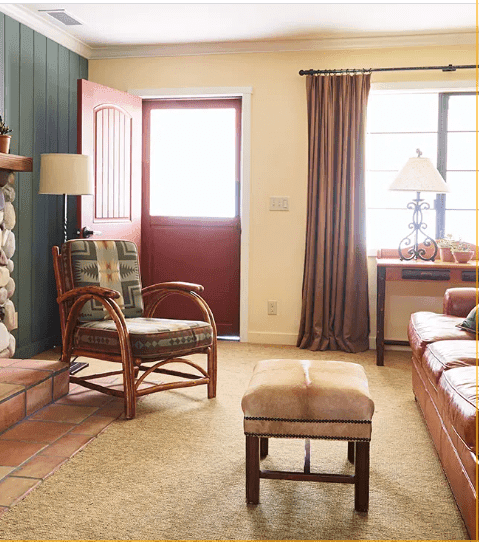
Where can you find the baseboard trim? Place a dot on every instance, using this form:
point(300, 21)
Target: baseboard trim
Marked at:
point(261, 337)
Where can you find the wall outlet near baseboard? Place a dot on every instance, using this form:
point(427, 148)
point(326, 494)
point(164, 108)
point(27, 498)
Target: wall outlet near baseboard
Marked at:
point(272, 308)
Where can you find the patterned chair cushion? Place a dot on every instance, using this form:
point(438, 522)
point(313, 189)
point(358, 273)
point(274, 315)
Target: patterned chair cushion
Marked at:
point(111, 264)
point(150, 337)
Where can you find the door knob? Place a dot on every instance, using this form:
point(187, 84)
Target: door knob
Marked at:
point(86, 232)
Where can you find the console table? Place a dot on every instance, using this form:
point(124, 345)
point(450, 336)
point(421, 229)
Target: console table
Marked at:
point(388, 269)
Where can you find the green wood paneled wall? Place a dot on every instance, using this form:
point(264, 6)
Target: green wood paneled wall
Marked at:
point(38, 99)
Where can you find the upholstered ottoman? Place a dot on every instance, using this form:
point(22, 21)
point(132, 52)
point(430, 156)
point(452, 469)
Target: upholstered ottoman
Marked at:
point(311, 400)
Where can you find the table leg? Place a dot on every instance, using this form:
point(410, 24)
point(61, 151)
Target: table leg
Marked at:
point(381, 298)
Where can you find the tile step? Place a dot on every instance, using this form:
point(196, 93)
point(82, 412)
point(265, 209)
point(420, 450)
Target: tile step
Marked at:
point(26, 386)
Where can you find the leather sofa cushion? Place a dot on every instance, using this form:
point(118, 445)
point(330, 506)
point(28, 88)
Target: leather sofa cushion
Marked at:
point(308, 399)
point(428, 327)
point(443, 355)
point(457, 402)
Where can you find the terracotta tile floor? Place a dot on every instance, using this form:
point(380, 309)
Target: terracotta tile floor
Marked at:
point(35, 447)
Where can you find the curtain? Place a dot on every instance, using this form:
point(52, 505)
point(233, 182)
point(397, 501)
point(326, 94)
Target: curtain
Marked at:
point(335, 308)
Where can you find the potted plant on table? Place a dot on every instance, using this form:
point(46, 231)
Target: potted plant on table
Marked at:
point(461, 251)
point(4, 137)
point(445, 248)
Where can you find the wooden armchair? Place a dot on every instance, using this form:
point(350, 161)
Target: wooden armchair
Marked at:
point(106, 314)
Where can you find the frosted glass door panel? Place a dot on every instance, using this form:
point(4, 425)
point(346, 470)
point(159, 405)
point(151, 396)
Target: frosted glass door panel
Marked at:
point(193, 163)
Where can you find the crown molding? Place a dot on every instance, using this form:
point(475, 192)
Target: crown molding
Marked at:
point(50, 30)
point(39, 24)
point(265, 46)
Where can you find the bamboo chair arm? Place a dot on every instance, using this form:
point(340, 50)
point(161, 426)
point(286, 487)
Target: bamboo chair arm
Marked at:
point(155, 294)
point(106, 293)
point(182, 286)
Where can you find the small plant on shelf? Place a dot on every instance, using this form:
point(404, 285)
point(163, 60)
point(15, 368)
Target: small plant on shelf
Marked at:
point(460, 246)
point(4, 129)
point(445, 242)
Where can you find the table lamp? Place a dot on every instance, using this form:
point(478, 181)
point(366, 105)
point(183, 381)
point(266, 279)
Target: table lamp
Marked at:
point(66, 174)
point(418, 175)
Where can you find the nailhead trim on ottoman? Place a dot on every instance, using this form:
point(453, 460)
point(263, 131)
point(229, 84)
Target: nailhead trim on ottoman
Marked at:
point(308, 399)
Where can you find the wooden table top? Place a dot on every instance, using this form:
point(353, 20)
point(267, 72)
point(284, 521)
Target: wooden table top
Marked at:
point(438, 264)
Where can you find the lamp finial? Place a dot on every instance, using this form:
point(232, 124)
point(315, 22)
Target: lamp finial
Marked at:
point(419, 153)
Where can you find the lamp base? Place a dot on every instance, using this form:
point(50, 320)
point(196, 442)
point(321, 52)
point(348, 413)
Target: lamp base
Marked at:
point(418, 251)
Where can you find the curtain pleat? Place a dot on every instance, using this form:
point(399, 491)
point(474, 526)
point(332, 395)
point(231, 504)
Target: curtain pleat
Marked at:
point(335, 307)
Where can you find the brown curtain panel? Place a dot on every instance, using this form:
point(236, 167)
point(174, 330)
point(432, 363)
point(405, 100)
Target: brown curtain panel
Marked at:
point(335, 309)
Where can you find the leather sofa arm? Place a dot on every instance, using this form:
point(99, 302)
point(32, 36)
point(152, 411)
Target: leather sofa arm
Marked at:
point(459, 301)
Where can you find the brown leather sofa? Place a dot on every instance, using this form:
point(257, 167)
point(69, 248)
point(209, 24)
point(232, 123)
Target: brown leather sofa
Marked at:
point(444, 384)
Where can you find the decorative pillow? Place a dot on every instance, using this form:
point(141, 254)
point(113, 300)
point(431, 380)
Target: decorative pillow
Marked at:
point(469, 324)
point(110, 264)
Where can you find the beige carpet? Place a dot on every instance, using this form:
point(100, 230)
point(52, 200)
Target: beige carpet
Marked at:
point(177, 471)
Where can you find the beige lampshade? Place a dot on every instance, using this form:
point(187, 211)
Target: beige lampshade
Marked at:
point(70, 174)
point(419, 175)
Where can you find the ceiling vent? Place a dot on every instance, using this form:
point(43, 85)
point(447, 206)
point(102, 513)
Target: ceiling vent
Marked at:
point(62, 16)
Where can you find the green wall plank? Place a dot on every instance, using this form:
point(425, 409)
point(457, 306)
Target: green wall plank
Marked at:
point(24, 187)
point(40, 240)
point(12, 77)
point(72, 140)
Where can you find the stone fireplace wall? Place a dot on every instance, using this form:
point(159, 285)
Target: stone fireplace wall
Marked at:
point(8, 317)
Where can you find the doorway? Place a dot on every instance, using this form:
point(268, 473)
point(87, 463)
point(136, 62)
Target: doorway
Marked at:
point(191, 225)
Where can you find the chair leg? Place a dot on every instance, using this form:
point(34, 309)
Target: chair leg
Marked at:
point(263, 447)
point(129, 392)
point(212, 371)
point(252, 469)
point(351, 452)
point(361, 486)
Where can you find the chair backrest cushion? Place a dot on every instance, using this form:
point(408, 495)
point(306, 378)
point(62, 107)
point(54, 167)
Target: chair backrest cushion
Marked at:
point(110, 264)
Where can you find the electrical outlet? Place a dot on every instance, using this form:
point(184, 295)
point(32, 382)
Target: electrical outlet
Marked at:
point(272, 308)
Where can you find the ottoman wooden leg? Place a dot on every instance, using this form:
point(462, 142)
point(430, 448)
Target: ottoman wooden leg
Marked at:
point(263, 447)
point(361, 486)
point(252, 469)
point(351, 452)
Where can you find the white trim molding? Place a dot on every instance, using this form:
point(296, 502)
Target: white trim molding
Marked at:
point(245, 93)
point(285, 45)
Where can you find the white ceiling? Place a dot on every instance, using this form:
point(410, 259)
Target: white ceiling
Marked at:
point(123, 27)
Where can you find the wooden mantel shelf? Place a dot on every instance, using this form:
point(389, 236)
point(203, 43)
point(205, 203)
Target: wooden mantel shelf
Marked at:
point(13, 162)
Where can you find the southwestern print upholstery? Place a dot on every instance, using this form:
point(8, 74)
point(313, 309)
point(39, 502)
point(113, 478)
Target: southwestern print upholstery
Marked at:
point(150, 337)
point(111, 264)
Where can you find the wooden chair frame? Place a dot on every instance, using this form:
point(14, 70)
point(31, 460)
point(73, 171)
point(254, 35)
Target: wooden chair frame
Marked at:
point(70, 304)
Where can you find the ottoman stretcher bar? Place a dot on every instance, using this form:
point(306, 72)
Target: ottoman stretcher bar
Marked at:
point(311, 400)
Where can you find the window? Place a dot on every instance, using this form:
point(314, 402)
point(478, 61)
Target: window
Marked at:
point(443, 126)
point(194, 156)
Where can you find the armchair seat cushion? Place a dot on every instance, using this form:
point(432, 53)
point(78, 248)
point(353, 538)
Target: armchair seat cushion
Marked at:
point(150, 337)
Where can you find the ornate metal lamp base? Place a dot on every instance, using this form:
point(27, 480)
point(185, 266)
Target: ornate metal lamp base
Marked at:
point(409, 248)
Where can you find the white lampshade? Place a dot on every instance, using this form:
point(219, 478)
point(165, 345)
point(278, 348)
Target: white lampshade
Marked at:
point(70, 174)
point(419, 175)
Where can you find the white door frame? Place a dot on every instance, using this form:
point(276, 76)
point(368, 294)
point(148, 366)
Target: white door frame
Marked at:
point(245, 180)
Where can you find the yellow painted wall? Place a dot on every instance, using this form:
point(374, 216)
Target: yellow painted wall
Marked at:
point(279, 159)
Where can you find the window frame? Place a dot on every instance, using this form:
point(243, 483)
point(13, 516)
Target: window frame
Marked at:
point(439, 203)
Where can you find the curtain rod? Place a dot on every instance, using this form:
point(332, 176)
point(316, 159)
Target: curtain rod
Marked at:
point(449, 68)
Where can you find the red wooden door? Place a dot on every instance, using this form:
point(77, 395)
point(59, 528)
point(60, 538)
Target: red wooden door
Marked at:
point(109, 130)
point(192, 246)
